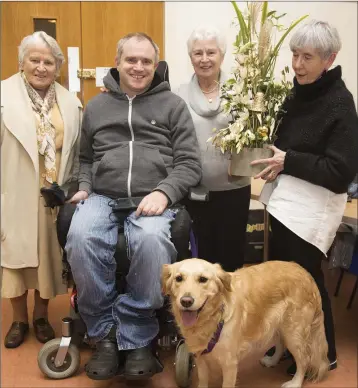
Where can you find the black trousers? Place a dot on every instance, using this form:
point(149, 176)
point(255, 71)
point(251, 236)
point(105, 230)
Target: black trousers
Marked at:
point(287, 246)
point(220, 226)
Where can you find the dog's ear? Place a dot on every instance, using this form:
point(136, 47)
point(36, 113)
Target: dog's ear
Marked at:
point(166, 278)
point(224, 277)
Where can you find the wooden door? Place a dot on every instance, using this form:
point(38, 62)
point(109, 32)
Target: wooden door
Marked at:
point(104, 23)
point(94, 27)
point(18, 19)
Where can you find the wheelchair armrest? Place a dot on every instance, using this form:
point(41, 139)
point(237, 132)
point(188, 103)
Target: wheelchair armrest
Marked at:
point(55, 196)
point(198, 193)
point(72, 190)
point(180, 233)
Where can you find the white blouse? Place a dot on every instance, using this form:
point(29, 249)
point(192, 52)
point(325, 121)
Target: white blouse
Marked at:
point(312, 212)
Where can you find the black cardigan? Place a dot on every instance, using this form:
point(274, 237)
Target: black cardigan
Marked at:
point(319, 132)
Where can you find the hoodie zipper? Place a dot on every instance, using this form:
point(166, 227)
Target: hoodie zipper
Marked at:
point(129, 179)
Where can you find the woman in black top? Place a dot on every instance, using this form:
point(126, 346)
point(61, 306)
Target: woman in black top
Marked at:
point(315, 159)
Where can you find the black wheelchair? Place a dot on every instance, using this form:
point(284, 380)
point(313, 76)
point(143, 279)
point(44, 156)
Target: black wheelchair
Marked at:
point(60, 357)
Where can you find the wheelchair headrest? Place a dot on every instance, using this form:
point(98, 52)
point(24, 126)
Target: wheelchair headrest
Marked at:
point(163, 71)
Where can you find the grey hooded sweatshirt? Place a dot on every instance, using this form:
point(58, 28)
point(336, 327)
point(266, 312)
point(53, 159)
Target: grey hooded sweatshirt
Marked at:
point(130, 147)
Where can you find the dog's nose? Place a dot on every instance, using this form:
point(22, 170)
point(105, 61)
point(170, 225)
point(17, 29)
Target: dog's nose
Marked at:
point(186, 301)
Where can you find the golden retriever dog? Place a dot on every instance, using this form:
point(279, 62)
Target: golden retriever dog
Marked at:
point(223, 316)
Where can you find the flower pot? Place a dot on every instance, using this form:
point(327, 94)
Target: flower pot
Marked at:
point(240, 163)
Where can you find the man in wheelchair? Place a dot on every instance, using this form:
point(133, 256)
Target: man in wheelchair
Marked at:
point(138, 140)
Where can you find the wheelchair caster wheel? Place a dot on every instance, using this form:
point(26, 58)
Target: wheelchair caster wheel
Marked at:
point(46, 360)
point(183, 366)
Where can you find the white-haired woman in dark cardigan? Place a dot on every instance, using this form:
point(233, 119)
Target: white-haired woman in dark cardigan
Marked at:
point(315, 159)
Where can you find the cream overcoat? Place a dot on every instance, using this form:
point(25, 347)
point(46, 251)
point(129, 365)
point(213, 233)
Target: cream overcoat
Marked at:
point(20, 168)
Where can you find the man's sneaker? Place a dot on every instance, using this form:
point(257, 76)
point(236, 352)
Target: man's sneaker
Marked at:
point(104, 362)
point(141, 363)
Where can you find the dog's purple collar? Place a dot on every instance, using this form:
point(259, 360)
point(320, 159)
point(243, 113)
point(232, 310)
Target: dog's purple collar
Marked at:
point(215, 338)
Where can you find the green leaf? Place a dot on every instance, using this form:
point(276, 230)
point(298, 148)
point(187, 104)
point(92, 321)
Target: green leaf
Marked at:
point(279, 17)
point(270, 14)
point(238, 39)
point(243, 27)
point(292, 26)
point(264, 13)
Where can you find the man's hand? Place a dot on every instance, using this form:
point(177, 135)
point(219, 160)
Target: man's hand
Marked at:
point(78, 197)
point(274, 165)
point(152, 205)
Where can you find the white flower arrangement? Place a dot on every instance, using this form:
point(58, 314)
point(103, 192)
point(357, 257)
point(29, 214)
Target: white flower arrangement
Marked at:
point(252, 98)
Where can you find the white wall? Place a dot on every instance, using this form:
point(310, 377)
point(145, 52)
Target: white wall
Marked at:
point(182, 17)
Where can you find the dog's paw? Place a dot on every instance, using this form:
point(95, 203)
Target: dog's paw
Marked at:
point(291, 384)
point(268, 362)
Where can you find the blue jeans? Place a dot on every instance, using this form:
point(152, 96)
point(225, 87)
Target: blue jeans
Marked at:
point(91, 244)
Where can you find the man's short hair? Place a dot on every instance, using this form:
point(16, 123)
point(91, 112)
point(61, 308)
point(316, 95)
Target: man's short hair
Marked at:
point(139, 36)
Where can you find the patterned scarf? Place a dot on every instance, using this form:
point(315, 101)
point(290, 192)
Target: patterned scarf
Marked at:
point(45, 130)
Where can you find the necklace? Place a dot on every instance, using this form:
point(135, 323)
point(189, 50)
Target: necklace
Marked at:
point(210, 100)
point(209, 91)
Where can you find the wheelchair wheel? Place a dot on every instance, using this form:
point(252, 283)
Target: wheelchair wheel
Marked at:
point(46, 360)
point(183, 366)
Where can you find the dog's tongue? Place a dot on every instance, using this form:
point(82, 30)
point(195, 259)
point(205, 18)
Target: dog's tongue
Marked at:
point(189, 317)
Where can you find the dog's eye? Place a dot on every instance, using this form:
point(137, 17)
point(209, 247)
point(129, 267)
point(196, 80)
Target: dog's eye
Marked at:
point(203, 279)
point(179, 278)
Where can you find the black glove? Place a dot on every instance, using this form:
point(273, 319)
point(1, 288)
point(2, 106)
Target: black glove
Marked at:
point(53, 195)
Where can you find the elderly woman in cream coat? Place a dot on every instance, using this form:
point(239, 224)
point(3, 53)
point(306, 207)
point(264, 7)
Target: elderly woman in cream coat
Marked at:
point(40, 129)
